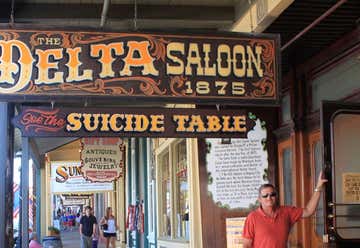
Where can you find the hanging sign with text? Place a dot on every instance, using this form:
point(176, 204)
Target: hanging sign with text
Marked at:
point(102, 159)
point(237, 167)
point(133, 122)
point(66, 177)
point(229, 67)
point(351, 187)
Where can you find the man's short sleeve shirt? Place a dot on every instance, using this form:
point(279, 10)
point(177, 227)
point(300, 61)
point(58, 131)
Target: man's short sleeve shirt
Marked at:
point(267, 232)
point(87, 224)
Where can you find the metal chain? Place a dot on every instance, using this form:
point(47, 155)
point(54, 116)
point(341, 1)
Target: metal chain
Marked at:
point(12, 13)
point(251, 17)
point(135, 15)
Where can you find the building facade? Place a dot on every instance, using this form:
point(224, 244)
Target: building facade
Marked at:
point(169, 193)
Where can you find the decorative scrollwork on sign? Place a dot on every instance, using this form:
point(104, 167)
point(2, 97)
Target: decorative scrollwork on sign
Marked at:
point(264, 88)
point(32, 89)
point(85, 38)
point(9, 36)
point(65, 40)
point(147, 86)
point(268, 56)
point(112, 90)
point(92, 87)
point(157, 46)
point(176, 83)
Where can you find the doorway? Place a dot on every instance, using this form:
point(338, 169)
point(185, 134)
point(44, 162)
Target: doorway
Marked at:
point(341, 137)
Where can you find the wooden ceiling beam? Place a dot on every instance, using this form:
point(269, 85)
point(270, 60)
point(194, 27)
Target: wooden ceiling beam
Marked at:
point(27, 11)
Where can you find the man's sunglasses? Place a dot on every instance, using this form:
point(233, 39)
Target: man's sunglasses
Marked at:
point(272, 194)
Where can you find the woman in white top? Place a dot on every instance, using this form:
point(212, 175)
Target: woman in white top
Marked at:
point(108, 226)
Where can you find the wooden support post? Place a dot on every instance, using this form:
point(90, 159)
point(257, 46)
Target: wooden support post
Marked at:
point(24, 193)
point(38, 201)
point(6, 175)
point(3, 160)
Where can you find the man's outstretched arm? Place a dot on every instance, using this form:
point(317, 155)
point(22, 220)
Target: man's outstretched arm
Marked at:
point(314, 200)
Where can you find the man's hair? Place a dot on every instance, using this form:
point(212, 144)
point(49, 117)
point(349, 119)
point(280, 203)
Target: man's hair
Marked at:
point(266, 185)
point(269, 185)
point(88, 207)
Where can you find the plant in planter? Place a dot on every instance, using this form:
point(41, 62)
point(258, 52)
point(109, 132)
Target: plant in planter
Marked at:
point(53, 240)
point(53, 231)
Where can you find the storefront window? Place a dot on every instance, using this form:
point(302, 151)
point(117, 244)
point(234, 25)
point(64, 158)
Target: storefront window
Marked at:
point(319, 215)
point(181, 194)
point(346, 143)
point(287, 169)
point(165, 194)
point(174, 199)
point(285, 109)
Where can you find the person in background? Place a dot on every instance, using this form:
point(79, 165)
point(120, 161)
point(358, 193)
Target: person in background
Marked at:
point(70, 220)
point(77, 219)
point(33, 241)
point(87, 228)
point(63, 222)
point(270, 224)
point(109, 227)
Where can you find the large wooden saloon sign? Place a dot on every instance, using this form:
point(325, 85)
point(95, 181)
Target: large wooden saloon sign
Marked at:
point(38, 65)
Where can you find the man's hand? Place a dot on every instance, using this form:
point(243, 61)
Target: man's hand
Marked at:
point(314, 200)
point(321, 181)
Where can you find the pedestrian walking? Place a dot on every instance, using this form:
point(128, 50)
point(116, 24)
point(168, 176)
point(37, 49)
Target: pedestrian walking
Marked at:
point(109, 227)
point(87, 229)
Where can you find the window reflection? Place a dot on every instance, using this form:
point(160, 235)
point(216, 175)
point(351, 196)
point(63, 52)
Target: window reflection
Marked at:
point(166, 200)
point(319, 214)
point(346, 143)
point(174, 199)
point(181, 194)
point(287, 165)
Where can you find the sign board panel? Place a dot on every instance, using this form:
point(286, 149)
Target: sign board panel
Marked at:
point(195, 68)
point(234, 231)
point(102, 159)
point(66, 177)
point(351, 187)
point(237, 168)
point(75, 199)
point(134, 122)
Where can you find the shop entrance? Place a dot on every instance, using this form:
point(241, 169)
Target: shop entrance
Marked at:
point(341, 135)
point(65, 192)
point(70, 193)
point(59, 192)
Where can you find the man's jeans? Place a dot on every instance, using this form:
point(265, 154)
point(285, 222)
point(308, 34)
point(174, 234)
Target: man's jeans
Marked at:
point(86, 242)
